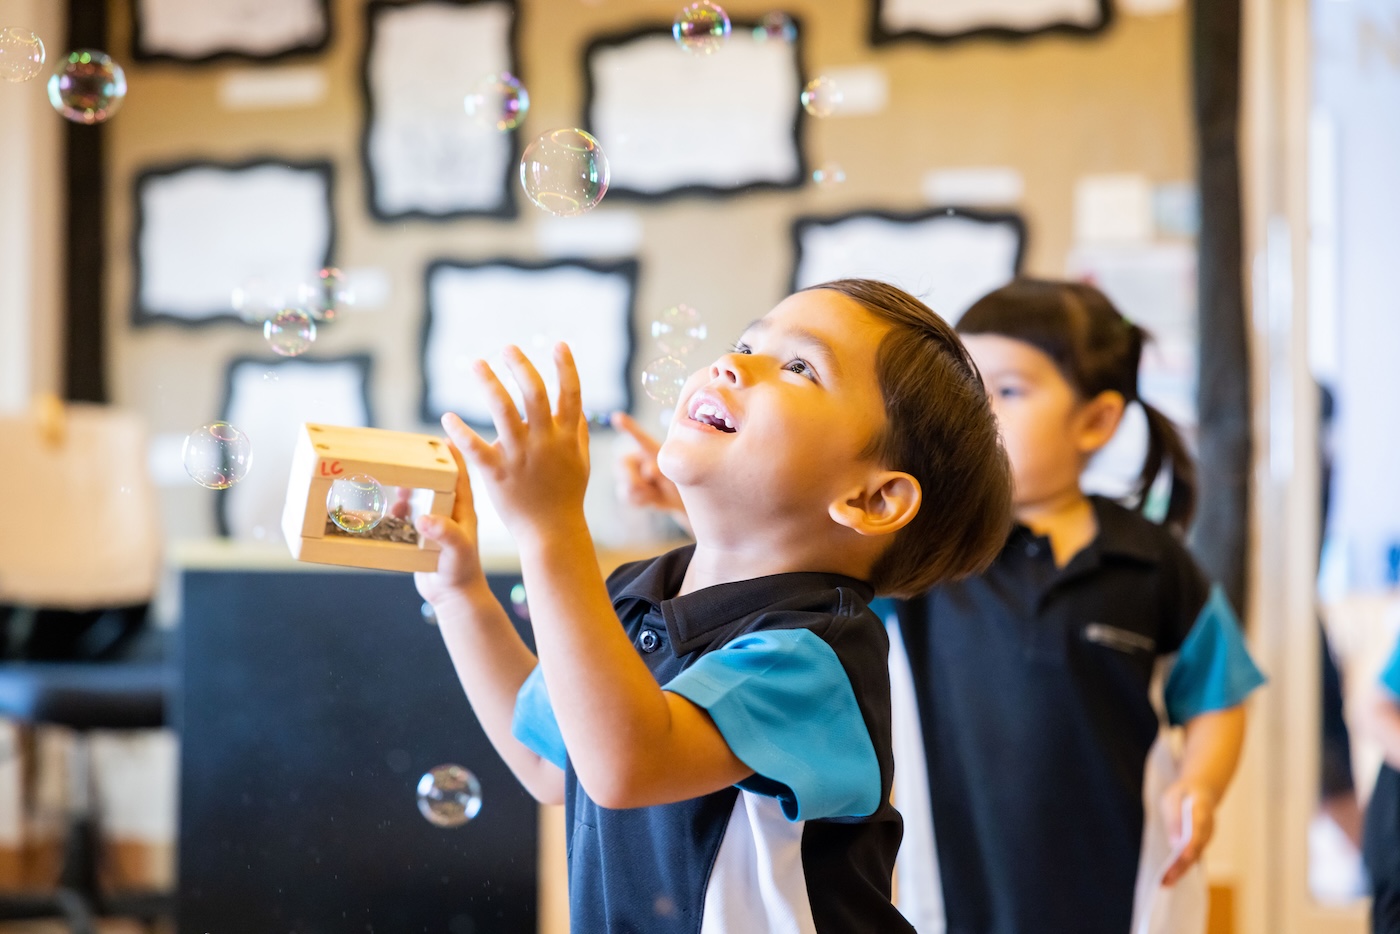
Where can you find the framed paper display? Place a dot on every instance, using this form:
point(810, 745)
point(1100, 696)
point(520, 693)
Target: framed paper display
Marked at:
point(423, 156)
point(192, 31)
point(476, 309)
point(949, 20)
point(269, 400)
point(206, 229)
point(675, 123)
point(948, 258)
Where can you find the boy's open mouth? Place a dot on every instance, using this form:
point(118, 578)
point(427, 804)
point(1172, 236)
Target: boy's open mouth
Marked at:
point(707, 412)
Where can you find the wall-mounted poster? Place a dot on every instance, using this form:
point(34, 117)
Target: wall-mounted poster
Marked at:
point(948, 257)
point(424, 156)
point(672, 122)
point(947, 20)
point(208, 30)
point(476, 309)
point(206, 229)
point(269, 400)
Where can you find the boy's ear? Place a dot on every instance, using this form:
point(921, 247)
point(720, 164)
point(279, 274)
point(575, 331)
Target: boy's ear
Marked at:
point(1098, 419)
point(884, 505)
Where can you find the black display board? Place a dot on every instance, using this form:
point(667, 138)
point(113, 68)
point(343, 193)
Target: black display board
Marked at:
point(312, 703)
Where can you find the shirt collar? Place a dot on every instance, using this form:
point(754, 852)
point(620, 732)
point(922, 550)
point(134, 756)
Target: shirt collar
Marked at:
point(693, 619)
point(1120, 535)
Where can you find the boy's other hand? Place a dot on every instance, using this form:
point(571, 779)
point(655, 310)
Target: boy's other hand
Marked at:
point(459, 565)
point(1201, 814)
point(639, 479)
point(536, 471)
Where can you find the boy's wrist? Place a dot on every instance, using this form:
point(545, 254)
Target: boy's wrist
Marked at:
point(464, 599)
point(544, 538)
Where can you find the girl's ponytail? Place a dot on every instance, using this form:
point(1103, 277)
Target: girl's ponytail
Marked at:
point(1166, 448)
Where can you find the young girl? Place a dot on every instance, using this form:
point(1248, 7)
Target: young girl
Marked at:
point(1021, 778)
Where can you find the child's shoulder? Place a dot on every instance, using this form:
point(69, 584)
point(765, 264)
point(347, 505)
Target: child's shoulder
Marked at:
point(1128, 531)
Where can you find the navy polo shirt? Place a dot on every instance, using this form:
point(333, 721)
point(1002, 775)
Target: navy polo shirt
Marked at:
point(1381, 841)
point(793, 669)
point(1033, 687)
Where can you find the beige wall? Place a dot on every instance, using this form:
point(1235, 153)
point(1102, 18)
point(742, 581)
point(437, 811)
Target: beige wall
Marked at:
point(1053, 108)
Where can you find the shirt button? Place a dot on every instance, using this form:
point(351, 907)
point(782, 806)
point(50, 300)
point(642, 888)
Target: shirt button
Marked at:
point(648, 640)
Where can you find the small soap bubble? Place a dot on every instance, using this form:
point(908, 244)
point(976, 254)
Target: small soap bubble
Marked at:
point(449, 796)
point(821, 97)
point(776, 27)
point(499, 101)
point(828, 175)
point(428, 614)
point(677, 330)
point(217, 455)
point(21, 54)
point(290, 332)
point(88, 87)
point(701, 27)
point(326, 296)
point(518, 602)
point(564, 172)
point(664, 378)
point(356, 504)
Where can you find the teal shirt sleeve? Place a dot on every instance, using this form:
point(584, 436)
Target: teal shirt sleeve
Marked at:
point(533, 722)
point(783, 703)
point(1390, 675)
point(1213, 670)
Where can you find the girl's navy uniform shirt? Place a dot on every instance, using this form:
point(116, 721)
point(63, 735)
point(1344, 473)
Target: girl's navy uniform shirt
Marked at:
point(1033, 687)
point(793, 669)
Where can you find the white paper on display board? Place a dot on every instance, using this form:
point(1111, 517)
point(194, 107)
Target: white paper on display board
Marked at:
point(951, 17)
point(273, 224)
point(475, 311)
point(668, 119)
point(270, 410)
point(947, 260)
point(195, 29)
point(425, 155)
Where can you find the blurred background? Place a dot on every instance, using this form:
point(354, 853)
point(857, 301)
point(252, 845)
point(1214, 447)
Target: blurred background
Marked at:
point(273, 212)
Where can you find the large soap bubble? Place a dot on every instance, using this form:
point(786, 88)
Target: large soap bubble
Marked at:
point(217, 455)
point(701, 27)
point(564, 172)
point(21, 54)
point(88, 87)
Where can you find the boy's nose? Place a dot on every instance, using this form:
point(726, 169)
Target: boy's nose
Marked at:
point(727, 368)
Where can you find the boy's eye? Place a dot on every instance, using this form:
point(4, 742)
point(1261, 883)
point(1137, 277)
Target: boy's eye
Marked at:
point(1008, 392)
point(741, 347)
point(801, 368)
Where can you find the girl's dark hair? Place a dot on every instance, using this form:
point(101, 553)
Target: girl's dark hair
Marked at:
point(939, 428)
point(1097, 350)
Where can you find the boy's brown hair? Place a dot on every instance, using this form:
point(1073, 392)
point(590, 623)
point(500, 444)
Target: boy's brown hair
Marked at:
point(941, 430)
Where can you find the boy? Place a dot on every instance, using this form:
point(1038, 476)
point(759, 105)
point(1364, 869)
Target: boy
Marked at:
point(1381, 845)
point(725, 751)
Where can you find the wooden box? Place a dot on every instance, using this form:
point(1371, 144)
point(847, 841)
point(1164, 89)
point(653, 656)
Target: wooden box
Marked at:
point(326, 453)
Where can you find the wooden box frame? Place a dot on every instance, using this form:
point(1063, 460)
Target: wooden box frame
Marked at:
point(325, 453)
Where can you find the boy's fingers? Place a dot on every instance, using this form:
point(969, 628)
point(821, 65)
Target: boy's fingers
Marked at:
point(629, 424)
point(504, 415)
point(532, 388)
point(570, 394)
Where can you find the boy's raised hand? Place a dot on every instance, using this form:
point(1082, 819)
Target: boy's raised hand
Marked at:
point(639, 480)
point(536, 471)
point(459, 566)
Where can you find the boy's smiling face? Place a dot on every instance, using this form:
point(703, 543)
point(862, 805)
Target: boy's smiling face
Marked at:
point(786, 421)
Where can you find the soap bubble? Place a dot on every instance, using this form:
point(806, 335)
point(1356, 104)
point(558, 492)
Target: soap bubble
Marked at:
point(21, 54)
point(449, 796)
point(776, 27)
point(88, 86)
point(564, 172)
point(821, 97)
point(499, 100)
point(326, 296)
point(677, 330)
point(518, 602)
point(664, 378)
point(828, 175)
point(289, 332)
point(356, 504)
point(217, 455)
point(428, 614)
point(701, 27)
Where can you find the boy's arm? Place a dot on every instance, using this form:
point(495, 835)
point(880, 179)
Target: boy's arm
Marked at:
point(491, 659)
point(1382, 721)
point(631, 743)
point(1211, 754)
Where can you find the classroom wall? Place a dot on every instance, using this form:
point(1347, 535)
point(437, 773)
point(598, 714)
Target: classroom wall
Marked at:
point(1052, 107)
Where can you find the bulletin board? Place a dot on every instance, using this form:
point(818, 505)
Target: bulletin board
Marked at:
point(202, 31)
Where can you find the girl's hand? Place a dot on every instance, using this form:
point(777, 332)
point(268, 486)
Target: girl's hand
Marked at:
point(1201, 814)
point(536, 471)
point(459, 566)
point(639, 480)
